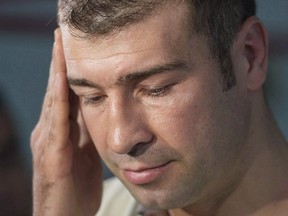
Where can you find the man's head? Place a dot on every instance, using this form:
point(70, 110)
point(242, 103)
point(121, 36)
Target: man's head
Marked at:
point(218, 21)
point(153, 104)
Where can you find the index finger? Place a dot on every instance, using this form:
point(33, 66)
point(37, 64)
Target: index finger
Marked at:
point(57, 65)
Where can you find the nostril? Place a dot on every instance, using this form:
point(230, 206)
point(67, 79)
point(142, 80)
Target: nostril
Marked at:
point(139, 149)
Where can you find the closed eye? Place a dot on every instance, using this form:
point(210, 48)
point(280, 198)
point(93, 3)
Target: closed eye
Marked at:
point(92, 101)
point(155, 92)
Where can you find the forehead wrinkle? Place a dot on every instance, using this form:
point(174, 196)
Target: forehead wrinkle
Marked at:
point(117, 54)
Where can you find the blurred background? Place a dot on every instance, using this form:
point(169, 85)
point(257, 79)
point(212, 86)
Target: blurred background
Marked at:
point(26, 38)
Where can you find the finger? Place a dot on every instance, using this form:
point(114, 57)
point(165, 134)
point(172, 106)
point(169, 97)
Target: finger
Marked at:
point(78, 130)
point(56, 65)
point(60, 112)
point(79, 133)
point(60, 63)
point(74, 106)
point(41, 130)
point(59, 150)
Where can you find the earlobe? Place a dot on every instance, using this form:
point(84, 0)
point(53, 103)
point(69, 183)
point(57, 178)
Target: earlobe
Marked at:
point(255, 52)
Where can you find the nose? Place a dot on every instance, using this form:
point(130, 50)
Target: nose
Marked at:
point(128, 130)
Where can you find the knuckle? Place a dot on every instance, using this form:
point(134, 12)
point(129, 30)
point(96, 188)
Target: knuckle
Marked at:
point(35, 136)
point(51, 137)
point(49, 101)
point(33, 139)
point(51, 129)
point(47, 116)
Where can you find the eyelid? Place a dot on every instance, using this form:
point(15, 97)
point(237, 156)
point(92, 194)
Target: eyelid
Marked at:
point(163, 90)
point(82, 91)
point(92, 99)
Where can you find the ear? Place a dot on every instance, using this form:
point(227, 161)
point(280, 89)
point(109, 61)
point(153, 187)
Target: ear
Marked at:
point(252, 44)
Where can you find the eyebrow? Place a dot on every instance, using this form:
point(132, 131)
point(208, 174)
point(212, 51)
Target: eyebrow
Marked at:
point(132, 77)
point(81, 83)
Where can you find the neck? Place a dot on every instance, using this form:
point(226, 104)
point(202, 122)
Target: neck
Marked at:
point(264, 187)
point(265, 183)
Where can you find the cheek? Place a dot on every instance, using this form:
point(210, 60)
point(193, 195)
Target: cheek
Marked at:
point(179, 123)
point(199, 124)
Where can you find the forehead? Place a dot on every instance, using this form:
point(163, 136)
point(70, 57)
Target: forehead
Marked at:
point(162, 36)
point(168, 23)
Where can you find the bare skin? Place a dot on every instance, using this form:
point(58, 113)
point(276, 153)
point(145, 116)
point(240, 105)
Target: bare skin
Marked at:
point(244, 170)
point(67, 171)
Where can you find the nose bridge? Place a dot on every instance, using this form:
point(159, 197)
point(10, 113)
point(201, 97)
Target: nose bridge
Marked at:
point(127, 126)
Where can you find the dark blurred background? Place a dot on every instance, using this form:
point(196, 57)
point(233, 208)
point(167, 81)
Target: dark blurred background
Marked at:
point(26, 38)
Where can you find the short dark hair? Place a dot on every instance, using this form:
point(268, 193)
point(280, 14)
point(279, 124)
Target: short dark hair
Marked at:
point(218, 20)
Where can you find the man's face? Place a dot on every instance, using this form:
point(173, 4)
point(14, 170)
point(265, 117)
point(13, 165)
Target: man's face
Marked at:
point(151, 97)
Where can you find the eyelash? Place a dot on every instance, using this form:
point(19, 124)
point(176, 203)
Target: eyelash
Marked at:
point(94, 101)
point(156, 92)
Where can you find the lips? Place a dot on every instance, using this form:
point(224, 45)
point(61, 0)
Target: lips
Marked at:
point(145, 175)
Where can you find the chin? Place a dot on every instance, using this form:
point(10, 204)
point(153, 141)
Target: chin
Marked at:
point(158, 199)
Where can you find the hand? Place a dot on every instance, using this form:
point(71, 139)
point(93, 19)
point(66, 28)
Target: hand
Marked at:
point(67, 177)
